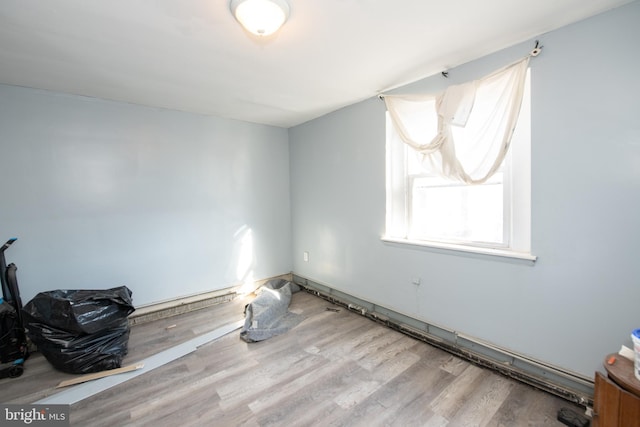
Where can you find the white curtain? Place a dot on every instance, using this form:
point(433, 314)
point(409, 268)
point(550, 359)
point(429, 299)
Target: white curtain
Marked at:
point(475, 122)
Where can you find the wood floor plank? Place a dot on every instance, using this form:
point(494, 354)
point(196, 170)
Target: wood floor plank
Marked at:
point(454, 365)
point(414, 387)
point(458, 392)
point(108, 407)
point(544, 408)
point(314, 404)
point(484, 402)
point(290, 388)
point(390, 368)
point(346, 345)
point(252, 384)
point(383, 352)
point(405, 399)
point(513, 409)
point(385, 372)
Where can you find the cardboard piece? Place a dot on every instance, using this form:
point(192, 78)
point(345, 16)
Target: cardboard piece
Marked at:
point(101, 374)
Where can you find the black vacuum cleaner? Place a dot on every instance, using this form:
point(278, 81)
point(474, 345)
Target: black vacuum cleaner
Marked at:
point(13, 339)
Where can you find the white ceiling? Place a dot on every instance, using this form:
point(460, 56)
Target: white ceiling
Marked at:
point(191, 55)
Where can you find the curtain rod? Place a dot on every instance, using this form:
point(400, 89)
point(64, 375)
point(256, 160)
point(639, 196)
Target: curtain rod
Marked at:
point(534, 52)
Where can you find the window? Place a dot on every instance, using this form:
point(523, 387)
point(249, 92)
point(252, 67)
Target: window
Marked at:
point(443, 210)
point(425, 208)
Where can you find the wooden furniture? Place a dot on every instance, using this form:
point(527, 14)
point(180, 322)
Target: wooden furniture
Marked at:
point(617, 395)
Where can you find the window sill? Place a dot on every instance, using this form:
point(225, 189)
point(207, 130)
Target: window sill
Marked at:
point(504, 253)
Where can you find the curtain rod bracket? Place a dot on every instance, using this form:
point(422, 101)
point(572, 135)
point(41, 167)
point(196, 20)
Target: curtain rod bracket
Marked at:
point(537, 49)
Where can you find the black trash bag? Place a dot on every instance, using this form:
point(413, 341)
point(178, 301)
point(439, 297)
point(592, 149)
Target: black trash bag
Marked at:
point(81, 331)
point(81, 353)
point(80, 311)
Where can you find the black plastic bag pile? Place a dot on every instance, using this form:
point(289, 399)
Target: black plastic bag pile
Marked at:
point(81, 331)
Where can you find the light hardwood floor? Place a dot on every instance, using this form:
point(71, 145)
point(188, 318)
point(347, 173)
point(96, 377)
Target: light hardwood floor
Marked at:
point(333, 369)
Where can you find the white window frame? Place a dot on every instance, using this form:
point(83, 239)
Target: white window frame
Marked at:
point(517, 195)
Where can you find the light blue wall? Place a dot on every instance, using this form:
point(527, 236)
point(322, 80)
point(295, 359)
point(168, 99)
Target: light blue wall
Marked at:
point(104, 194)
point(581, 299)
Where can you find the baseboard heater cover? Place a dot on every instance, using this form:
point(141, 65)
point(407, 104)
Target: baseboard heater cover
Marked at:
point(180, 306)
point(187, 304)
point(538, 374)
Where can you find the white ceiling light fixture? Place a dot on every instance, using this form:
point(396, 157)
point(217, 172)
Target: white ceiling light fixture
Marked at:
point(260, 17)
